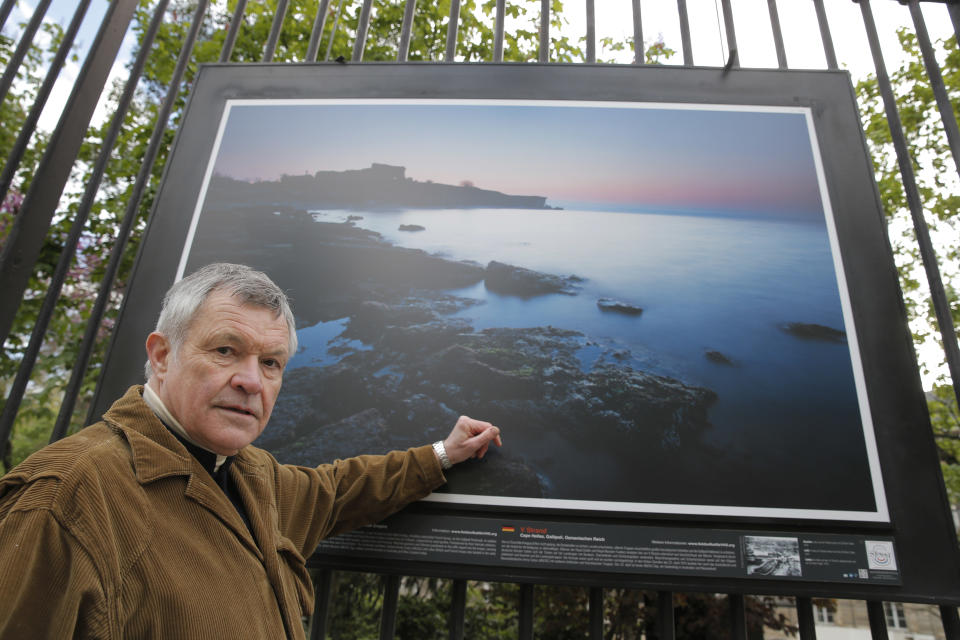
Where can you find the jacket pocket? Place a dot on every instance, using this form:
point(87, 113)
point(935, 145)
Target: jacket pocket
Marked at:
point(296, 578)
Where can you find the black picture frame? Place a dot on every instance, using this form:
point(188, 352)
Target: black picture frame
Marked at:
point(901, 458)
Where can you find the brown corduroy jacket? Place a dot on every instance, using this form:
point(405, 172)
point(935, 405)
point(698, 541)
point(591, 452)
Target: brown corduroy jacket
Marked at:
point(118, 532)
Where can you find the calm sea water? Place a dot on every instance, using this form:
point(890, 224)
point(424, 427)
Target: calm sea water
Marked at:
point(704, 283)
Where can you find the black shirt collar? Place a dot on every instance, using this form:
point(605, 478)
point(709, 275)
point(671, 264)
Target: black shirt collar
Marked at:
point(207, 459)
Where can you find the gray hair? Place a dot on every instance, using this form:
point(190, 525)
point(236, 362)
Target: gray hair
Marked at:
point(184, 299)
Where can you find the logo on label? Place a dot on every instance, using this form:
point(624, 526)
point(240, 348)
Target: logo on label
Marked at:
point(880, 555)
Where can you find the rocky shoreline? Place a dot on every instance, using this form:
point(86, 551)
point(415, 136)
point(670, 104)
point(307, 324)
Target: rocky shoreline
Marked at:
point(423, 364)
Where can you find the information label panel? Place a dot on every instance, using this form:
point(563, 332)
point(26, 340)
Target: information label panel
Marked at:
point(619, 548)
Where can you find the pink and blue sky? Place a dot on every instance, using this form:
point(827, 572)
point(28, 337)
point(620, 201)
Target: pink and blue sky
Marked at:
point(701, 161)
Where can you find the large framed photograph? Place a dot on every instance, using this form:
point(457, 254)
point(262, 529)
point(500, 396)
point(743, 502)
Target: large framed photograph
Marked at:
point(671, 288)
point(632, 290)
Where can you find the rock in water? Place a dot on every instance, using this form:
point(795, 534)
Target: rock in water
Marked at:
point(615, 306)
point(718, 358)
point(810, 331)
point(526, 283)
point(411, 227)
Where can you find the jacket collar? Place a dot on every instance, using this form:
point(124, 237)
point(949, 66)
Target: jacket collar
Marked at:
point(156, 452)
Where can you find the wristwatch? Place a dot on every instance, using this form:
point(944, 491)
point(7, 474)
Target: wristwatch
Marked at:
point(442, 454)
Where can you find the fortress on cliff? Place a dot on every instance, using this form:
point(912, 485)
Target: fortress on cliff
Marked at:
point(380, 186)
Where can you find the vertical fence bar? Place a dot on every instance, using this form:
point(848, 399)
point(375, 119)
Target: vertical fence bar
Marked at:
point(544, 54)
point(878, 620)
point(734, 57)
point(5, 10)
point(808, 627)
point(777, 34)
point(391, 601)
point(936, 83)
point(67, 253)
point(452, 28)
point(953, 8)
point(26, 41)
point(29, 230)
point(498, 31)
point(275, 28)
point(825, 35)
point(738, 617)
point(525, 611)
point(685, 32)
point(30, 124)
point(591, 36)
point(321, 604)
point(362, 28)
point(231, 38)
point(596, 613)
point(317, 32)
point(406, 30)
point(950, 621)
point(72, 391)
point(938, 295)
point(666, 625)
point(333, 30)
point(638, 48)
point(458, 609)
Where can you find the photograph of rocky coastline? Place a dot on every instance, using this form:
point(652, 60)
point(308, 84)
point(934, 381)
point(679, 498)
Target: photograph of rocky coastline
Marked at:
point(638, 358)
point(405, 363)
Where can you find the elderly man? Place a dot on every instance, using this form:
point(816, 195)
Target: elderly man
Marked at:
point(161, 521)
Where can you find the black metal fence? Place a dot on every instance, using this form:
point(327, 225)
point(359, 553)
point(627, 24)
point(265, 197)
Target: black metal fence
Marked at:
point(27, 234)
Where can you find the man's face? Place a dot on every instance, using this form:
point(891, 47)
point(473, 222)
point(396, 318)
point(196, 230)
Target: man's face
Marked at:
point(222, 383)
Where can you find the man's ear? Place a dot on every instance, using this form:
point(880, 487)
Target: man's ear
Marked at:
point(159, 353)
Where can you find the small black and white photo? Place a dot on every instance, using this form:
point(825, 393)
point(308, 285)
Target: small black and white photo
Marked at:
point(772, 556)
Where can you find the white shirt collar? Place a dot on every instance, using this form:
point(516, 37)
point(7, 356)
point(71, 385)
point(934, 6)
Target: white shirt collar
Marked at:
point(156, 404)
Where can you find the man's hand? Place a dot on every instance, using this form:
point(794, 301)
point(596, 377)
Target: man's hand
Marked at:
point(470, 439)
